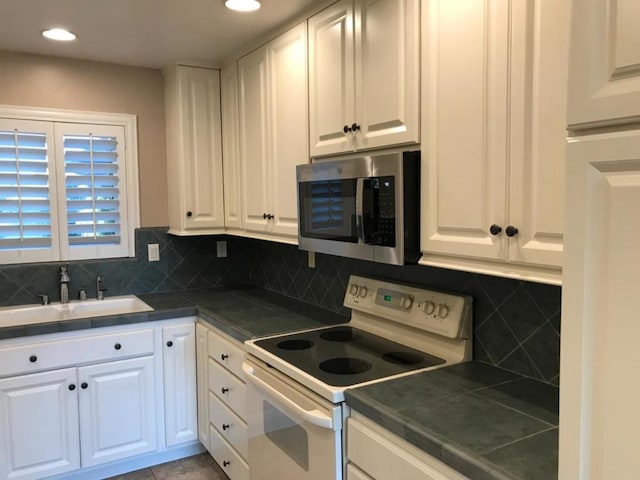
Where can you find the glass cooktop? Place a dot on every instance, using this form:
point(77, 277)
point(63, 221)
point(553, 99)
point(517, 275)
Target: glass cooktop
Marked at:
point(343, 356)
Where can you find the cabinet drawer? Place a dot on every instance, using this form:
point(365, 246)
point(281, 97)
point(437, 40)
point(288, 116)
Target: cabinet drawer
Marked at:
point(354, 473)
point(74, 351)
point(228, 388)
point(226, 353)
point(382, 454)
point(228, 424)
point(232, 464)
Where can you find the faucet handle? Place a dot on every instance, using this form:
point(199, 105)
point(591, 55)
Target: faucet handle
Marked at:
point(45, 299)
point(82, 294)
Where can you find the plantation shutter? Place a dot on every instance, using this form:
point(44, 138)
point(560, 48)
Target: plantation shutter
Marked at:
point(26, 196)
point(94, 174)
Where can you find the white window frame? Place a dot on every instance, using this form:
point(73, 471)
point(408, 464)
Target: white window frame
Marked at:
point(129, 123)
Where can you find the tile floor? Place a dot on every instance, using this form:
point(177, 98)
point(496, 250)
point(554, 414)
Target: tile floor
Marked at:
point(199, 467)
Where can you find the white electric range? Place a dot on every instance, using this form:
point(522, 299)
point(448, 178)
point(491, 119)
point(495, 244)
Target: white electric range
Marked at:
point(296, 381)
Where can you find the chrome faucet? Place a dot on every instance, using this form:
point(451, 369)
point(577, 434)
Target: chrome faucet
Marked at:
point(64, 285)
point(99, 289)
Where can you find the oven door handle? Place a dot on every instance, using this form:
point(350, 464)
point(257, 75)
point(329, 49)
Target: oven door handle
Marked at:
point(315, 417)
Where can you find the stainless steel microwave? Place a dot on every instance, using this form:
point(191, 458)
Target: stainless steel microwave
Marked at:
point(366, 207)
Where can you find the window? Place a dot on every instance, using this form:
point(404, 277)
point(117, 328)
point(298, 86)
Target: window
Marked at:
point(68, 190)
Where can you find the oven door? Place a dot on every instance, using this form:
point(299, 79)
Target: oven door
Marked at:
point(293, 433)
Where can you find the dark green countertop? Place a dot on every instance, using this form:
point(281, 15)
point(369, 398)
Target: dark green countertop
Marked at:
point(483, 421)
point(243, 313)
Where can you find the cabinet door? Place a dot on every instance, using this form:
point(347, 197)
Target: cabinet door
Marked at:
point(387, 68)
point(254, 139)
point(600, 385)
point(331, 79)
point(604, 80)
point(39, 425)
point(117, 410)
point(195, 163)
point(465, 58)
point(230, 144)
point(180, 400)
point(288, 124)
point(538, 96)
point(202, 363)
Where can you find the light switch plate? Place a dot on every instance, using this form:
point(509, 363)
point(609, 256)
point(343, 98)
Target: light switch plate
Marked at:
point(221, 249)
point(153, 250)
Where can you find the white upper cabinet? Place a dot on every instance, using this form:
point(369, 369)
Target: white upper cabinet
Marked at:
point(230, 144)
point(273, 133)
point(364, 71)
point(194, 150)
point(605, 63)
point(494, 83)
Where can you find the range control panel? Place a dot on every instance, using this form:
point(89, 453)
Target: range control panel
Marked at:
point(446, 314)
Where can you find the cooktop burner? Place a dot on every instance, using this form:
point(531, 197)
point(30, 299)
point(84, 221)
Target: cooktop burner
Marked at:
point(343, 356)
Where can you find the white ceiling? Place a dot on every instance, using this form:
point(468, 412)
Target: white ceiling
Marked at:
point(149, 33)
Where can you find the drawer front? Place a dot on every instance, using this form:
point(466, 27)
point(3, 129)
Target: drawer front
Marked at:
point(78, 350)
point(232, 464)
point(382, 454)
point(228, 388)
point(226, 353)
point(353, 473)
point(229, 425)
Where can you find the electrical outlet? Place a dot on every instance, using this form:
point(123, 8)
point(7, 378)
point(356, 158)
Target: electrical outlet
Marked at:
point(153, 250)
point(221, 249)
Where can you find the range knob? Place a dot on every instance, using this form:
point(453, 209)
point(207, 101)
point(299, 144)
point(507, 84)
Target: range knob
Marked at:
point(443, 310)
point(353, 289)
point(406, 302)
point(362, 291)
point(428, 307)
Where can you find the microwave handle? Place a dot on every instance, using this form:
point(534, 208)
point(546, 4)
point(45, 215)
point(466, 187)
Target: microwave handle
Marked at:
point(360, 209)
point(315, 417)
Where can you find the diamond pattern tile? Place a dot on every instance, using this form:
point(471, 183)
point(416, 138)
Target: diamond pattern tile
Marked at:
point(516, 324)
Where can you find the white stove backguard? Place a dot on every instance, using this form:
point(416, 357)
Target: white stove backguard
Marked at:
point(434, 322)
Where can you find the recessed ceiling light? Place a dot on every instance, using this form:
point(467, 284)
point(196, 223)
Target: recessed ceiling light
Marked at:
point(59, 34)
point(243, 5)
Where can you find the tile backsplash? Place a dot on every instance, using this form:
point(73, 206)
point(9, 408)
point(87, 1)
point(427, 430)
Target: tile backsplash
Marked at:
point(185, 262)
point(516, 323)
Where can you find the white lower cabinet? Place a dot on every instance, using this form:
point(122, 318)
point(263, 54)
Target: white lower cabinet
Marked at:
point(179, 355)
point(86, 400)
point(39, 424)
point(375, 453)
point(222, 403)
point(117, 410)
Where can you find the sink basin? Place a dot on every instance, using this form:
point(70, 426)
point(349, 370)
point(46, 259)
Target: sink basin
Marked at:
point(28, 315)
point(108, 306)
point(55, 312)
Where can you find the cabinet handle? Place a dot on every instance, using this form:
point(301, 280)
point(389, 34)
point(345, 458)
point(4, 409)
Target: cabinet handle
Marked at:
point(511, 231)
point(264, 215)
point(346, 129)
point(224, 356)
point(225, 426)
point(270, 217)
point(33, 359)
point(169, 343)
point(226, 463)
point(84, 385)
point(189, 213)
point(117, 346)
point(224, 390)
point(355, 127)
point(495, 229)
point(72, 387)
